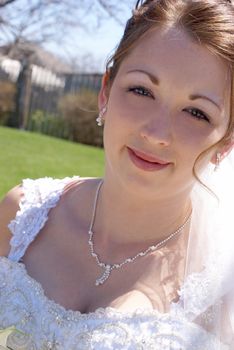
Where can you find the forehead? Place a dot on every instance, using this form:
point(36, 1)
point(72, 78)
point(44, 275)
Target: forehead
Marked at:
point(175, 58)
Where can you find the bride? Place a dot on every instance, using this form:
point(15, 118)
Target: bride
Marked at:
point(143, 257)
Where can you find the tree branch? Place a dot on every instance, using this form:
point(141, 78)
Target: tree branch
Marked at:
point(6, 2)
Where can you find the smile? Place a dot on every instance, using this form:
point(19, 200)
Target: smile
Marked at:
point(146, 162)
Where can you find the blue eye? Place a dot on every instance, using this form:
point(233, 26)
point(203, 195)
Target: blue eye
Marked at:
point(139, 90)
point(198, 114)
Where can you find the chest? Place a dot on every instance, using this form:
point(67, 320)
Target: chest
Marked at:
point(60, 260)
point(68, 272)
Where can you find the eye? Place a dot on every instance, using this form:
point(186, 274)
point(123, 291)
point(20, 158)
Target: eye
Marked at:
point(140, 90)
point(198, 114)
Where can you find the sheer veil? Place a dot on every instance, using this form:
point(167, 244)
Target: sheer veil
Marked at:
point(207, 296)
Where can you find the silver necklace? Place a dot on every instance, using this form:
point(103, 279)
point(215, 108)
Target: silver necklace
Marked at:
point(109, 267)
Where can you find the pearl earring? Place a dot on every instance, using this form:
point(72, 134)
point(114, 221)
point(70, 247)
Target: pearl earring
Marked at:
point(100, 119)
point(218, 160)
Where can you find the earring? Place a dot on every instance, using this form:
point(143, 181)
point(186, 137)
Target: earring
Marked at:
point(218, 161)
point(100, 119)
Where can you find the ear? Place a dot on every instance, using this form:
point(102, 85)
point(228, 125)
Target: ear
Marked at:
point(224, 151)
point(103, 93)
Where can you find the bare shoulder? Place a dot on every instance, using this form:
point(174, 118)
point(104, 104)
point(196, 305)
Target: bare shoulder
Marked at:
point(75, 184)
point(8, 209)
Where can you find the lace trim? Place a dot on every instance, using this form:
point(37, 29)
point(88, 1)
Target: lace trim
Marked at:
point(59, 310)
point(40, 196)
point(54, 322)
point(61, 313)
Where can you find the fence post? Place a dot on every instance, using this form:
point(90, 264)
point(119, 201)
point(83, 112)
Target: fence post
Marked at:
point(24, 93)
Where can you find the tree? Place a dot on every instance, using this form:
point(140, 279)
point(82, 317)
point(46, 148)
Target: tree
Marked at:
point(43, 21)
point(48, 21)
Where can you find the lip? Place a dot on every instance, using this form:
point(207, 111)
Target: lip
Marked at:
point(146, 161)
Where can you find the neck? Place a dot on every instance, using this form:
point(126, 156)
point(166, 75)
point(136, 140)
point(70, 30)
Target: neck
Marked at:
point(128, 218)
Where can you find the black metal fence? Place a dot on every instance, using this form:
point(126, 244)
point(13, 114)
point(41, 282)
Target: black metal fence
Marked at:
point(45, 91)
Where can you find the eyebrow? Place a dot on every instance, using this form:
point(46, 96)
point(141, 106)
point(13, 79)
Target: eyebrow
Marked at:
point(156, 81)
point(197, 97)
point(152, 77)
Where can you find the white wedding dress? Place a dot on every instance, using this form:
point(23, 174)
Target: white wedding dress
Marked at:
point(24, 304)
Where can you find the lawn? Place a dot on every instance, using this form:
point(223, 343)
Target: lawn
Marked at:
point(29, 155)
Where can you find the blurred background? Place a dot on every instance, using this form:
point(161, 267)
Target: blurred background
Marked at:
point(52, 57)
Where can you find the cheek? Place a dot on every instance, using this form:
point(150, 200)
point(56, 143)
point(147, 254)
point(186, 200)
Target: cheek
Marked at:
point(192, 138)
point(194, 134)
point(130, 109)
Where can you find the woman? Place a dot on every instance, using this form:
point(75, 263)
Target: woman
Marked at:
point(143, 258)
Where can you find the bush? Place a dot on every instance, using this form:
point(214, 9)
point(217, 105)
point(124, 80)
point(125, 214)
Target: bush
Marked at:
point(80, 111)
point(7, 101)
point(48, 124)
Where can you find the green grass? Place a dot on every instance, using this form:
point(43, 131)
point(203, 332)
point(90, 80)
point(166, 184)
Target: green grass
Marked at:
point(29, 155)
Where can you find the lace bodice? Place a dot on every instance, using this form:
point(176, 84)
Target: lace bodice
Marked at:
point(24, 304)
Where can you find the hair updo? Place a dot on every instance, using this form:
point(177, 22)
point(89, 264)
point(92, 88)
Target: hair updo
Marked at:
point(209, 22)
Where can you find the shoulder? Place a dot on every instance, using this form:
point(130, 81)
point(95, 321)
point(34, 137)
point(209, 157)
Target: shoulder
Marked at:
point(30, 194)
point(8, 209)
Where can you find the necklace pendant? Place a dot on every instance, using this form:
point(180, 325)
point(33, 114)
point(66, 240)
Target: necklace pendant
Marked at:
point(104, 276)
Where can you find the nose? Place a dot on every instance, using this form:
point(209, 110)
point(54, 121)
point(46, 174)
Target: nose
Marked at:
point(157, 130)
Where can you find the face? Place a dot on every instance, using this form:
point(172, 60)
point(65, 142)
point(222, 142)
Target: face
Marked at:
point(168, 103)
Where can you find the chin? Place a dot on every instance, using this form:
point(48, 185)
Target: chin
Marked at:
point(144, 186)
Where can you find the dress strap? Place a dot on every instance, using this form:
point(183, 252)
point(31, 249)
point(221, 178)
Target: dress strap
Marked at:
point(40, 196)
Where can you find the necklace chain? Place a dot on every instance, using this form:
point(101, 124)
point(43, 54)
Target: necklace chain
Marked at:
point(109, 267)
